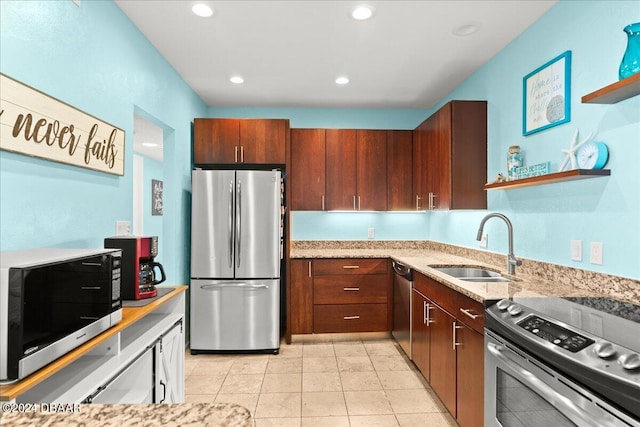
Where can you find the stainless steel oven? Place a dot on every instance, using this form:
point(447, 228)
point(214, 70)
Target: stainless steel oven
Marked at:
point(562, 362)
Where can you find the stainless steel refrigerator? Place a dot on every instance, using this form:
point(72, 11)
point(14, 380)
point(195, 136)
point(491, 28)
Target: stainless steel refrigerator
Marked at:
point(235, 260)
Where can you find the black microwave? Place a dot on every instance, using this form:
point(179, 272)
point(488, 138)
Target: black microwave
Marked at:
point(52, 301)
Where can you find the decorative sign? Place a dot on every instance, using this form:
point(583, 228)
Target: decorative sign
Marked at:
point(38, 125)
point(533, 170)
point(156, 197)
point(547, 95)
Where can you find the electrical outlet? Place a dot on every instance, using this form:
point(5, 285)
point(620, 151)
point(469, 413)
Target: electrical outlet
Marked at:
point(576, 250)
point(123, 228)
point(484, 240)
point(371, 233)
point(596, 253)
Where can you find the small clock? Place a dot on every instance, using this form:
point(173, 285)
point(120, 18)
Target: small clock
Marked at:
point(593, 155)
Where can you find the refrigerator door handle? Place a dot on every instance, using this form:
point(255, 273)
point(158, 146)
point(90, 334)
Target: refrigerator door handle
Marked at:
point(238, 225)
point(230, 224)
point(217, 286)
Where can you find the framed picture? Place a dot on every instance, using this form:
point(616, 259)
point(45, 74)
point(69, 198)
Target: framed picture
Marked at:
point(156, 197)
point(546, 95)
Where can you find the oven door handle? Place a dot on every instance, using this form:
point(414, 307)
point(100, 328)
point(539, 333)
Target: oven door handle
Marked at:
point(563, 403)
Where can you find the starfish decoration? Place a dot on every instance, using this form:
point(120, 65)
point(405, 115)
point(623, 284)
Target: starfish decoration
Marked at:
point(571, 151)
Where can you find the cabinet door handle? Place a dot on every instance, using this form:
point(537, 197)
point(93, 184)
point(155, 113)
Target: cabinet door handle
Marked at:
point(358, 202)
point(235, 154)
point(350, 267)
point(455, 344)
point(427, 316)
point(242, 154)
point(351, 317)
point(309, 268)
point(432, 201)
point(417, 202)
point(354, 202)
point(323, 202)
point(351, 289)
point(468, 313)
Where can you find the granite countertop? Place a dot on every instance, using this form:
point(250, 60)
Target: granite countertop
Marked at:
point(422, 260)
point(123, 415)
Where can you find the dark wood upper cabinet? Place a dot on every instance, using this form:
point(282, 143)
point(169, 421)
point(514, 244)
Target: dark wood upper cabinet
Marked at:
point(250, 141)
point(371, 182)
point(307, 169)
point(419, 200)
point(215, 140)
point(340, 169)
point(452, 162)
point(400, 170)
point(263, 140)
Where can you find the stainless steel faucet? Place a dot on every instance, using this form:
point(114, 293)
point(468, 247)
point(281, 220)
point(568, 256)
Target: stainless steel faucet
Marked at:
point(511, 258)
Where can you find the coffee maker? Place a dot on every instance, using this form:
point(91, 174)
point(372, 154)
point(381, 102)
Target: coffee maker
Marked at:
point(138, 278)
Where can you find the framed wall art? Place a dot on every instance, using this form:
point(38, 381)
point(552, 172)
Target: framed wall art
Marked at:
point(35, 124)
point(156, 197)
point(546, 95)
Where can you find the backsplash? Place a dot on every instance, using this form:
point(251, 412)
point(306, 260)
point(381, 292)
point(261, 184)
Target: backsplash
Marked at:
point(620, 287)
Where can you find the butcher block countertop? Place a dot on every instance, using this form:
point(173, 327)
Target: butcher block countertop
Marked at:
point(532, 279)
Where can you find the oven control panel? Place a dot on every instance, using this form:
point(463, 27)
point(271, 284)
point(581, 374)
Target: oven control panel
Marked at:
point(555, 334)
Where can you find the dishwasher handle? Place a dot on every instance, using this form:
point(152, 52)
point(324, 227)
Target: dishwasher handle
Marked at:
point(401, 269)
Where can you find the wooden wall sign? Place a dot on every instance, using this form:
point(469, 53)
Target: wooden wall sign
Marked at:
point(38, 125)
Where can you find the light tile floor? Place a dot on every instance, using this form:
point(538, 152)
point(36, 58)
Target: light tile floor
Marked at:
point(328, 380)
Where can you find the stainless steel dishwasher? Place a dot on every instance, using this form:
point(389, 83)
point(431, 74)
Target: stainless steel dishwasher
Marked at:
point(402, 303)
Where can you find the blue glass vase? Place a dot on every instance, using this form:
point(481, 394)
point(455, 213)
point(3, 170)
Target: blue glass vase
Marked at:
point(631, 60)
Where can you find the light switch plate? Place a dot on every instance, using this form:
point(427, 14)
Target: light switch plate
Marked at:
point(484, 240)
point(576, 250)
point(596, 253)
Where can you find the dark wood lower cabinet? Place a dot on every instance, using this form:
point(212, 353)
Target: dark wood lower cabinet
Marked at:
point(349, 318)
point(443, 358)
point(421, 337)
point(470, 378)
point(448, 347)
point(301, 297)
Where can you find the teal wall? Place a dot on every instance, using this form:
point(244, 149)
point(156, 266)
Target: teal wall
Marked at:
point(546, 218)
point(93, 58)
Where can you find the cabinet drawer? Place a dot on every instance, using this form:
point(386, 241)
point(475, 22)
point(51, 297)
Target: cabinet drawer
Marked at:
point(350, 318)
point(441, 294)
point(470, 312)
point(324, 267)
point(350, 289)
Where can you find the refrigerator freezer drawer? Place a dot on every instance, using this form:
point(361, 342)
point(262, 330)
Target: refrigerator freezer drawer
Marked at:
point(229, 315)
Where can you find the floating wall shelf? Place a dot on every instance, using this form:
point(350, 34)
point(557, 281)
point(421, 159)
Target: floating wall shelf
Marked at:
point(550, 178)
point(615, 92)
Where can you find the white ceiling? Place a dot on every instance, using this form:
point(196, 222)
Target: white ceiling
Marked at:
point(290, 52)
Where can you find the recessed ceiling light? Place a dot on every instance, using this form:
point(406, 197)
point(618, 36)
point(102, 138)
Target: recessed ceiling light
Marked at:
point(150, 144)
point(236, 80)
point(202, 10)
point(362, 12)
point(342, 80)
point(467, 29)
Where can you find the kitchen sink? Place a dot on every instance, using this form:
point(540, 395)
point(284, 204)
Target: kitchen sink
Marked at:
point(473, 274)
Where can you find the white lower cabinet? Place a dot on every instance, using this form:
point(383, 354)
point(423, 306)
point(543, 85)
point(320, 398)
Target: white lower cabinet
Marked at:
point(141, 363)
point(169, 369)
point(133, 385)
point(156, 376)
